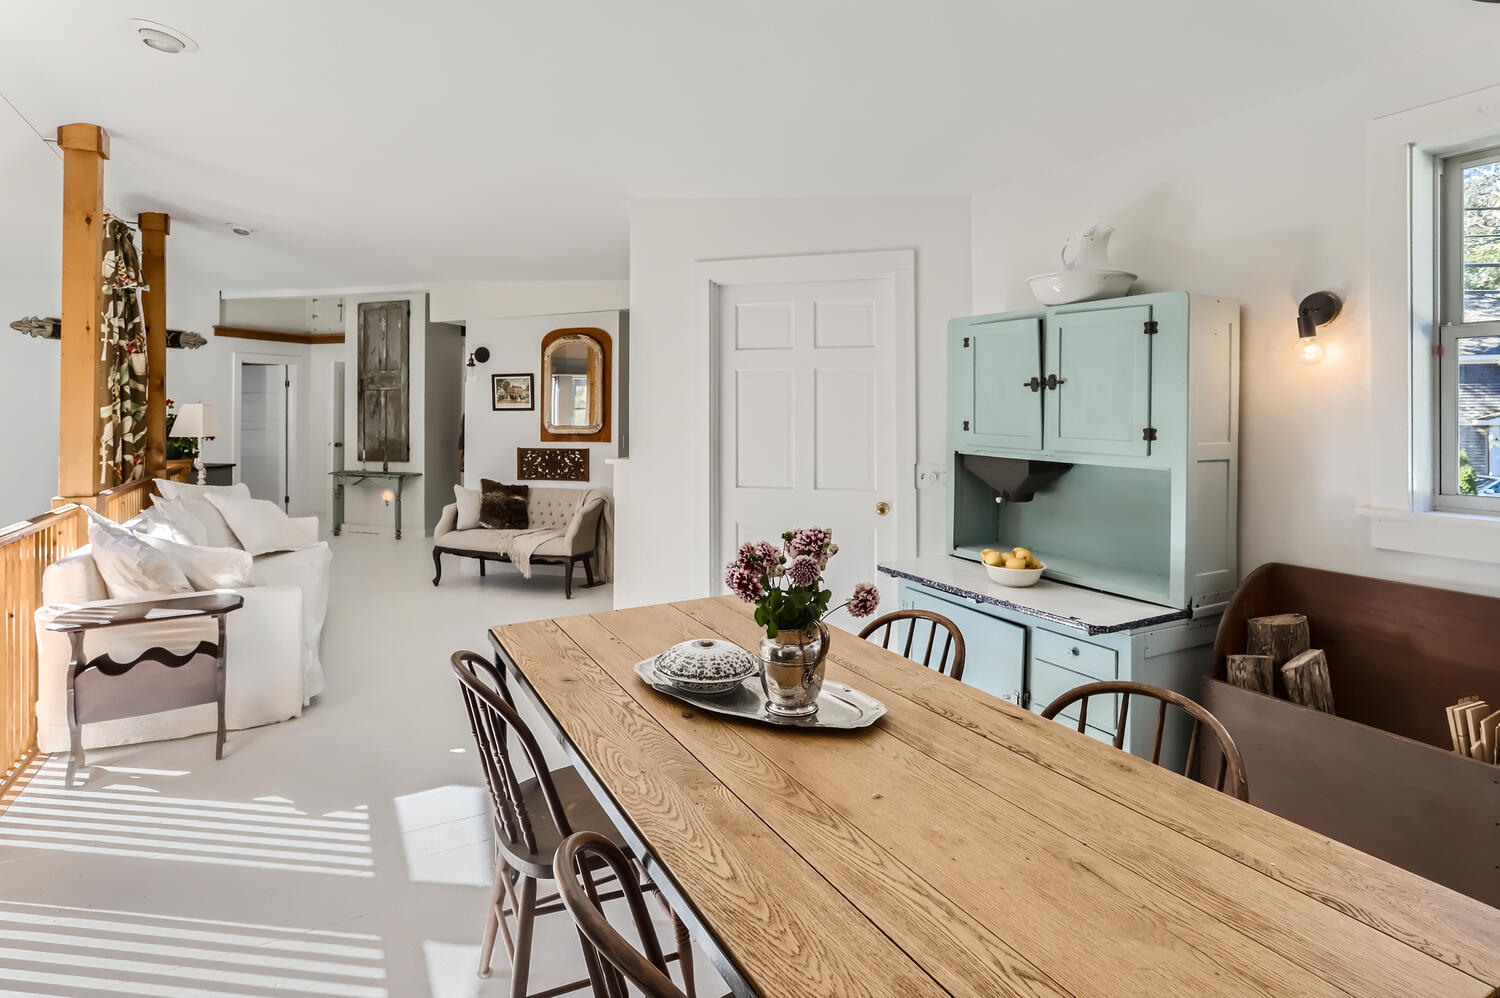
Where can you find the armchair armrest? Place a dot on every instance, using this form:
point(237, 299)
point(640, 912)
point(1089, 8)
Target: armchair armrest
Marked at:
point(306, 527)
point(447, 522)
point(585, 526)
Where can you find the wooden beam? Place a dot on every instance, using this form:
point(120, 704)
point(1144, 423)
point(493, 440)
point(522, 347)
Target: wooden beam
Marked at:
point(155, 225)
point(277, 336)
point(83, 389)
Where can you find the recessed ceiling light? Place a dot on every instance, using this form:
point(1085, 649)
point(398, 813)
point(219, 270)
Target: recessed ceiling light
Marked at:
point(238, 229)
point(162, 38)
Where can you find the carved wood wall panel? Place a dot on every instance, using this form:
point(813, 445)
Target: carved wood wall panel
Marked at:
point(552, 464)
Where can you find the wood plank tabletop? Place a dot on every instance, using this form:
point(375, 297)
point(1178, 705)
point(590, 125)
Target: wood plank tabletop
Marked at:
point(964, 846)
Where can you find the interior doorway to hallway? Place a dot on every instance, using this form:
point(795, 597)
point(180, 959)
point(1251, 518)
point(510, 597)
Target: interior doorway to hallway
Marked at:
point(265, 431)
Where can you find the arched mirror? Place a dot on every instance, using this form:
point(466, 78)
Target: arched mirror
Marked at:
point(575, 385)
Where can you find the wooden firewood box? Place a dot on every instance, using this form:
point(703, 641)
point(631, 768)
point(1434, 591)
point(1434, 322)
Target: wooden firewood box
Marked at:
point(1380, 773)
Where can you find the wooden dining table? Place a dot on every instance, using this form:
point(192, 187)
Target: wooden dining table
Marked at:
point(962, 845)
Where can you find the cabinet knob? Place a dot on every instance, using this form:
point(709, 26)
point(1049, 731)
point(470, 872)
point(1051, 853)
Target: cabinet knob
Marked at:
point(1074, 650)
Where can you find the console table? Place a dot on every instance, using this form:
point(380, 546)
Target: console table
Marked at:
point(354, 476)
point(97, 689)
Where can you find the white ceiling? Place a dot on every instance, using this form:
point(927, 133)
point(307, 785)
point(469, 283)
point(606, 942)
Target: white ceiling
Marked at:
point(375, 142)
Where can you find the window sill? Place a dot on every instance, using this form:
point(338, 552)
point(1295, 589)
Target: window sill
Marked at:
point(1467, 536)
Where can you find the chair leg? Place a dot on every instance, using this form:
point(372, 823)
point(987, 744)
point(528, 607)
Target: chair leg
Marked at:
point(684, 954)
point(437, 564)
point(481, 568)
point(588, 570)
point(520, 963)
point(494, 920)
point(568, 579)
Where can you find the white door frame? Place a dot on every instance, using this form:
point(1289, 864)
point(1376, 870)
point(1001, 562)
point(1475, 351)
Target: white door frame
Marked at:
point(294, 362)
point(896, 266)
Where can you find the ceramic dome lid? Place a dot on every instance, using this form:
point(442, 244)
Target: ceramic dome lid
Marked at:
point(707, 660)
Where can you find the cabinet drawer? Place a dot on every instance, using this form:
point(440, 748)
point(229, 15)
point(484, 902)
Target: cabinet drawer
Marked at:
point(1048, 682)
point(1093, 661)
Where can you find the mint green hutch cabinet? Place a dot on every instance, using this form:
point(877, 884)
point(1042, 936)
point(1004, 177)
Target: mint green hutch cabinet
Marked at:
point(1104, 436)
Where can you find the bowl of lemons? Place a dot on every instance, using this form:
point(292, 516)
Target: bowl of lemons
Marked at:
point(1015, 568)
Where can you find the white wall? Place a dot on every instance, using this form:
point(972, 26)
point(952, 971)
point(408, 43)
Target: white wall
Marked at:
point(515, 345)
point(1264, 206)
point(30, 284)
point(461, 301)
point(658, 506)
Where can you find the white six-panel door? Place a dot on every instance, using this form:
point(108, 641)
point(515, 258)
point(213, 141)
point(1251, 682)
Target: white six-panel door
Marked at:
point(808, 376)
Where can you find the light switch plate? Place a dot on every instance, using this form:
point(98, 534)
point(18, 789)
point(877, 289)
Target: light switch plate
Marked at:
point(930, 475)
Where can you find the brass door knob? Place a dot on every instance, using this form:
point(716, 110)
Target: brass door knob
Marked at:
point(882, 508)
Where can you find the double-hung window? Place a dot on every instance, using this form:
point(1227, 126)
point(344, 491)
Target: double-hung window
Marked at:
point(1468, 444)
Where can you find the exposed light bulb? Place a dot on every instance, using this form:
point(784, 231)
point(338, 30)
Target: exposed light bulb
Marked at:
point(387, 495)
point(1310, 350)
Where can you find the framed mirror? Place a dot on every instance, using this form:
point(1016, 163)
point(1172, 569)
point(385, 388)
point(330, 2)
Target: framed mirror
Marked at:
point(575, 385)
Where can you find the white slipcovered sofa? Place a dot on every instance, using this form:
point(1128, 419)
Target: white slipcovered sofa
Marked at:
point(273, 666)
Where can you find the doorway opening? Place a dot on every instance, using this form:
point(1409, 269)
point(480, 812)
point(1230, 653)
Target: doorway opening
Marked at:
point(265, 429)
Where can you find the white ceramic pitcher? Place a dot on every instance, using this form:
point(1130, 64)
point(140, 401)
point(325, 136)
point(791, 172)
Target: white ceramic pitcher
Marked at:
point(1089, 250)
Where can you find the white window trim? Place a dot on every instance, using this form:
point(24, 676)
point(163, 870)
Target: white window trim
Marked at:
point(1402, 150)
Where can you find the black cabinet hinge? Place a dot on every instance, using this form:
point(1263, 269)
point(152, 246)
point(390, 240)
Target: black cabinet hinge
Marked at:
point(966, 341)
point(1149, 433)
point(1150, 327)
point(966, 424)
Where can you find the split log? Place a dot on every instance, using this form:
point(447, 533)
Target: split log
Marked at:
point(1307, 681)
point(1283, 637)
point(1251, 672)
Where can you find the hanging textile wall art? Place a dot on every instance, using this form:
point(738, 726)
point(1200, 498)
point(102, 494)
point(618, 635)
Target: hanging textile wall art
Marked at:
point(122, 443)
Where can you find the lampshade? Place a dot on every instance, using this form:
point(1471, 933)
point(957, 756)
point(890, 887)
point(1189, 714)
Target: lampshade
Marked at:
point(195, 419)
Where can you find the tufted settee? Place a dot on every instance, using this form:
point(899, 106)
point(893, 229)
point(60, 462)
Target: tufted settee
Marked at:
point(564, 528)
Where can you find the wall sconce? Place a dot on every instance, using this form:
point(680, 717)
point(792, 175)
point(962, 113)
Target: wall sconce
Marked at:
point(1317, 309)
point(387, 496)
point(479, 354)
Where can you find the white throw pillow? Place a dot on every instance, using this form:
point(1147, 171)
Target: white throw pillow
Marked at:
point(260, 526)
point(153, 522)
point(131, 568)
point(199, 520)
point(207, 568)
point(169, 489)
point(468, 507)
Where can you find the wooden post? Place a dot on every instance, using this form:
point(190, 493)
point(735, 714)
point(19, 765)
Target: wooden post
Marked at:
point(84, 388)
point(155, 225)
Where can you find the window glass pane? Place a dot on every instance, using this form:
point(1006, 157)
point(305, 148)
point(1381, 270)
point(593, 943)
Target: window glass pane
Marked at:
point(1481, 242)
point(1479, 415)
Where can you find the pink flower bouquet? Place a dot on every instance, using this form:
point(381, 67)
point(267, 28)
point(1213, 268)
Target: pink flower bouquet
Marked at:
point(786, 583)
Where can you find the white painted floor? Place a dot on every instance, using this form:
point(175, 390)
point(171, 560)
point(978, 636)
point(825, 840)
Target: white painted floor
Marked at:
point(345, 853)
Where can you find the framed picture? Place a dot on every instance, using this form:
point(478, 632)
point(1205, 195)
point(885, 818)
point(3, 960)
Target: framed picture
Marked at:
point(512, 391)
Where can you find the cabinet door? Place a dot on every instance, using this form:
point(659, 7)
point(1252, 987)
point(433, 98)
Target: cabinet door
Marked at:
point(1102, 402)
point(994, 649)
point(1003, 412)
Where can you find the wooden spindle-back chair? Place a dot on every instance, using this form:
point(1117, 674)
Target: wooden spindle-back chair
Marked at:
point(611, 959)
point(532, 818)
point(950, 660)
point(1231, 766)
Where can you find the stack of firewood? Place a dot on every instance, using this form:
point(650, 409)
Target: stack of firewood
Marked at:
point(1475, 730)
point(1279, 644)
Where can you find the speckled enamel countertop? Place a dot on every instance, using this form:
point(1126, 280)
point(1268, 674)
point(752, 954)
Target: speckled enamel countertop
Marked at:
point(1089, 610)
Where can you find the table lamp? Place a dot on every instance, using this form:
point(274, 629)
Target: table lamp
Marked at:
point(196, 419)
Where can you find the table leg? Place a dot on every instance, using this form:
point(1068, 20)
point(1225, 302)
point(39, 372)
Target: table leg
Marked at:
point(338, 505)
point(219, 686)
point(399, 490)
point(75, 734)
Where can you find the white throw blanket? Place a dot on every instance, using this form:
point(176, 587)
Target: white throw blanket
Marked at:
point(604, 547)
point(520, 545)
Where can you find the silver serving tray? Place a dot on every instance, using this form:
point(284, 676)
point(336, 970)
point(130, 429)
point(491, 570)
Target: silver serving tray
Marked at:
point(839, 706)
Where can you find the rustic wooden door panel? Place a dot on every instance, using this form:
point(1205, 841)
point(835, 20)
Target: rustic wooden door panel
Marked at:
point(384, 381)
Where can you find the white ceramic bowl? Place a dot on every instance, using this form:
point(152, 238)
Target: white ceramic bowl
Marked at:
point(1067, 286)
point(1016, 578)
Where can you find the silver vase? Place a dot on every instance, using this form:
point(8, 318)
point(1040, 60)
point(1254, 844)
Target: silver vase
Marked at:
point(792, 669)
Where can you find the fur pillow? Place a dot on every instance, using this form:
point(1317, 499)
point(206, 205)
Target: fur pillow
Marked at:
point(131, 568)
point(468, 507)
point(503, 507)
